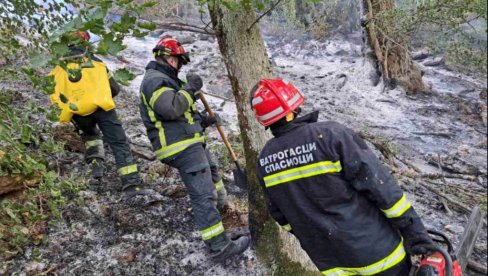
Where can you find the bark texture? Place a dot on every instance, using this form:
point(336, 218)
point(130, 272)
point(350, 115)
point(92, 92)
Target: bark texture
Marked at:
point(390, 50)
point(246, 59)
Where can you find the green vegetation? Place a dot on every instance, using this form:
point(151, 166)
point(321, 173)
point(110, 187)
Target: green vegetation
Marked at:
point(456, 28)
point(25, 147)
point(219, 150)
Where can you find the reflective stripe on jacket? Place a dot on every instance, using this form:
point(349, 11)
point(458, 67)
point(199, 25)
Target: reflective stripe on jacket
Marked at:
point(323, 184)
point(168, 112)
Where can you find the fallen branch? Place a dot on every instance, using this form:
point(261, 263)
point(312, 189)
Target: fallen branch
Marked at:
point(448, 175)
point(143, 152)
point(457, 204)
point(175, 26)
point(443, 201)
point(475, 266)
point(453, 170)
point(49, 271)
point(464, 190)
point(220, 97)
point(439, 134)
point(382, 145)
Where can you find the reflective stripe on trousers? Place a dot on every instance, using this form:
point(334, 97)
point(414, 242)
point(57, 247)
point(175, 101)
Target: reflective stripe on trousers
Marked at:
point(213, 231)
point(382, 265)
point(302, 172)
point(127, 170)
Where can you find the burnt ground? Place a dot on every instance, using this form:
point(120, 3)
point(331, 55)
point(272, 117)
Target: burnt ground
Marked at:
point(104, 236)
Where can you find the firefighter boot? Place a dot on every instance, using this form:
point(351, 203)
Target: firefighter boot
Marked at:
point(232, 248)
point(97, 170)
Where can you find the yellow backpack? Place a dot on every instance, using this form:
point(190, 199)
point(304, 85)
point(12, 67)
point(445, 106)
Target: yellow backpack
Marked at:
point(82, 95)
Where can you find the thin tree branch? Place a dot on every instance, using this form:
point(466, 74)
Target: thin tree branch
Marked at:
point(184, 27)
point(262, 15)
point(206, 24)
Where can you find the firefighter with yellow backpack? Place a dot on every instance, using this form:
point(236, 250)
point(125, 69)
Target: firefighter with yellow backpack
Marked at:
point(84, 93)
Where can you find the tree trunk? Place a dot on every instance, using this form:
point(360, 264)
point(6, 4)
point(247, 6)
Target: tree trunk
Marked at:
point(246, 59)
point(390, 50)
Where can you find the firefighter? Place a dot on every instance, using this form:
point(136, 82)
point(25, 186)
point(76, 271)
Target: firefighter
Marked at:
point(324, 185)
point(176, 130)
point(90, 119)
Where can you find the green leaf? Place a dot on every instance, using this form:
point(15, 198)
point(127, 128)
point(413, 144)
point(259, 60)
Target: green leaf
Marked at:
point(96, 14)
point(48, 84)
point(73, 25)
point(126, 23)
point(55, 193)
point(149, 4)
point(12, 215)
point(137, 33)
point(124, 2)
point(230, 5)
point(110, 45)
point(53, 115)
point(39, 60)
point(124, 76)
point(151, 26)
point(58, 50)
point(26, 134)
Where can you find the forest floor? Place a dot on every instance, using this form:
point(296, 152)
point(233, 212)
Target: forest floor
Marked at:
point(441, 133)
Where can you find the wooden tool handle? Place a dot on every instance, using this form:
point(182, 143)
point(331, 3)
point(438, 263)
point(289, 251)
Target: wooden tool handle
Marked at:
point(219, 128)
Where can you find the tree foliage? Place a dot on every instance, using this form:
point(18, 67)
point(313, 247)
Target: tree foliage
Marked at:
point(45, 31)
point(454, 27)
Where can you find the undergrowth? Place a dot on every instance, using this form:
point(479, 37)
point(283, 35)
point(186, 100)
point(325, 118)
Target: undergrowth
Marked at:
point(38, 194)
point(220, 151)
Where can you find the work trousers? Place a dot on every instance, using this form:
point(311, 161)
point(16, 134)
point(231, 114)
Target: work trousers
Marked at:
point(200, 176)
point(114, 136)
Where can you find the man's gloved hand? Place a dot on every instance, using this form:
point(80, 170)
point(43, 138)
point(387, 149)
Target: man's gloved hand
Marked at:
point(415, 240)
point(193, 85)
point(209, 121)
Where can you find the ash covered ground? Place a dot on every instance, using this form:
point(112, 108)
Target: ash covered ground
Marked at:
point(442, 131)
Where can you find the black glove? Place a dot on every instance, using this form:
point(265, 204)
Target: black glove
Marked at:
point(193, 85)
point(415, 238)
point(208, 121)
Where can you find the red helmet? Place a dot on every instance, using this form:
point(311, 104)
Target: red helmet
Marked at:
point(168, 46)
point(272, 100)
point(85, 36)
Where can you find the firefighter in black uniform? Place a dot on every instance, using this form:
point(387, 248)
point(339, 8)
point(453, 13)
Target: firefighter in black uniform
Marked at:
point(176, 130)
point(323, 183)
point(113, 134)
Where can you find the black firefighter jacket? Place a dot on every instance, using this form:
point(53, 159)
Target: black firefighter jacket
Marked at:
point(324, 184)
point(168, 112)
